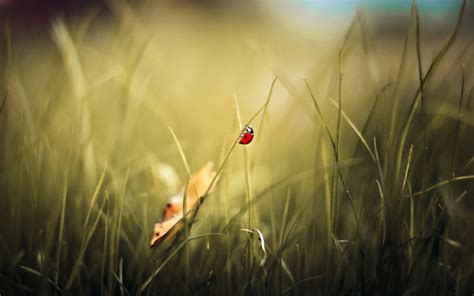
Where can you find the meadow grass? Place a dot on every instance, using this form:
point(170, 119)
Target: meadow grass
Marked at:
point(339, 194)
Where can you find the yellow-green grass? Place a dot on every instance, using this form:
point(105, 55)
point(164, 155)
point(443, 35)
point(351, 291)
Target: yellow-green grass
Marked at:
point(359, 180)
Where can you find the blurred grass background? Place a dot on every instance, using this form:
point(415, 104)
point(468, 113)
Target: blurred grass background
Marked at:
point(374, 197)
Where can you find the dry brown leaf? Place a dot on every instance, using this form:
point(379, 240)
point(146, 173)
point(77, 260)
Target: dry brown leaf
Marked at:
point(173, 213)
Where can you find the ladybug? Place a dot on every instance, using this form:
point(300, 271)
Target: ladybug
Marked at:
point(247, 136)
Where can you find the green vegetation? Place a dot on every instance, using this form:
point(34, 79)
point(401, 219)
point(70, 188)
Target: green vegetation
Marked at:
point(359, 180)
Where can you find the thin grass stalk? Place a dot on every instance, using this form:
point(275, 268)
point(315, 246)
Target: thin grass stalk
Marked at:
point(444, 183)
point(61, 233)
point(187, 254)
point(457, 127)
point(168, 258)
point(229, 152)
point(422, 99)
point(285, 216)
point(396, 101)
point(4, 100)
point(415, 101)
point(104, 249)
point(95, 195)
point(84, 245)
point(336, 156)
point(335, 177)
point(412, 225)
point(248, 191)
point(367, 122)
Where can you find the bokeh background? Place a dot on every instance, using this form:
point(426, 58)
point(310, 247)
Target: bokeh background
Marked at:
point(373, 199)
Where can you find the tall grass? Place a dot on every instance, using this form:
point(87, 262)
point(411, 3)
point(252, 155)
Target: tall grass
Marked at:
point(361, 189)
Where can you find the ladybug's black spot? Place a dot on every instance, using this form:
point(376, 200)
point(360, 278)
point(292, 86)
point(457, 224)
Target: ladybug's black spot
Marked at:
point(168, 205)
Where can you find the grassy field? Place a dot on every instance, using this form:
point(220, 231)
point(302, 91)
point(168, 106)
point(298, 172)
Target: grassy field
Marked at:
point(359, 180)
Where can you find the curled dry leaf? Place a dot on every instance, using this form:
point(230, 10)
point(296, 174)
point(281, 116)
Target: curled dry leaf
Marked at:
point(196, 188)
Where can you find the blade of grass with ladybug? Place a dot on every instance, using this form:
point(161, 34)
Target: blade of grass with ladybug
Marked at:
point(181, 212)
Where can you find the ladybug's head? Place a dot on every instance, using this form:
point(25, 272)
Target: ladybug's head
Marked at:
point(249, 129)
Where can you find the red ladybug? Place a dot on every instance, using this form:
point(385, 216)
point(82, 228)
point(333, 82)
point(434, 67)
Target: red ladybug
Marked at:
point(247, 136)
